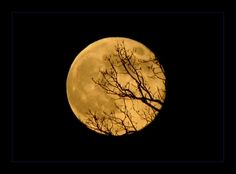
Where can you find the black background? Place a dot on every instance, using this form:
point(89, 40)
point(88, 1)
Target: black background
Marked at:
point(189, 46)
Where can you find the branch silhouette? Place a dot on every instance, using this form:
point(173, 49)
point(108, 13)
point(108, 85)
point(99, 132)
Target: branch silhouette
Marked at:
point(123, 65)
point(104, 122)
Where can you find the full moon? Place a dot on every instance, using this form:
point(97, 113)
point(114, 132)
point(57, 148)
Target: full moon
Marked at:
point(116, 86)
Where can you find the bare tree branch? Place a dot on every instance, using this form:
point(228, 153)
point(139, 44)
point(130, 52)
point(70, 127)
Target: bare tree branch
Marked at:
point(124, 64)
point(112, 85)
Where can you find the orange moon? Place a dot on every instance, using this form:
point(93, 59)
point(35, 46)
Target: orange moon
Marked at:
point(103, 112)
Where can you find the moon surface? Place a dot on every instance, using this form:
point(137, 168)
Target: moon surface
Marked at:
point(107, 113)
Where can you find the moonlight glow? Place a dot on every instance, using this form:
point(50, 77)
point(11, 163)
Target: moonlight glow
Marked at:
point(116, 86)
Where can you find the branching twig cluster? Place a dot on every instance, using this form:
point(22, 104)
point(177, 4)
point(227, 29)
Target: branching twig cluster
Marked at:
point(123, 63)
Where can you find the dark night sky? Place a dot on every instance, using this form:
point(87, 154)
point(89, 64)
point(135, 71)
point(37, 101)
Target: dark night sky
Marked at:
point(190, 124)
